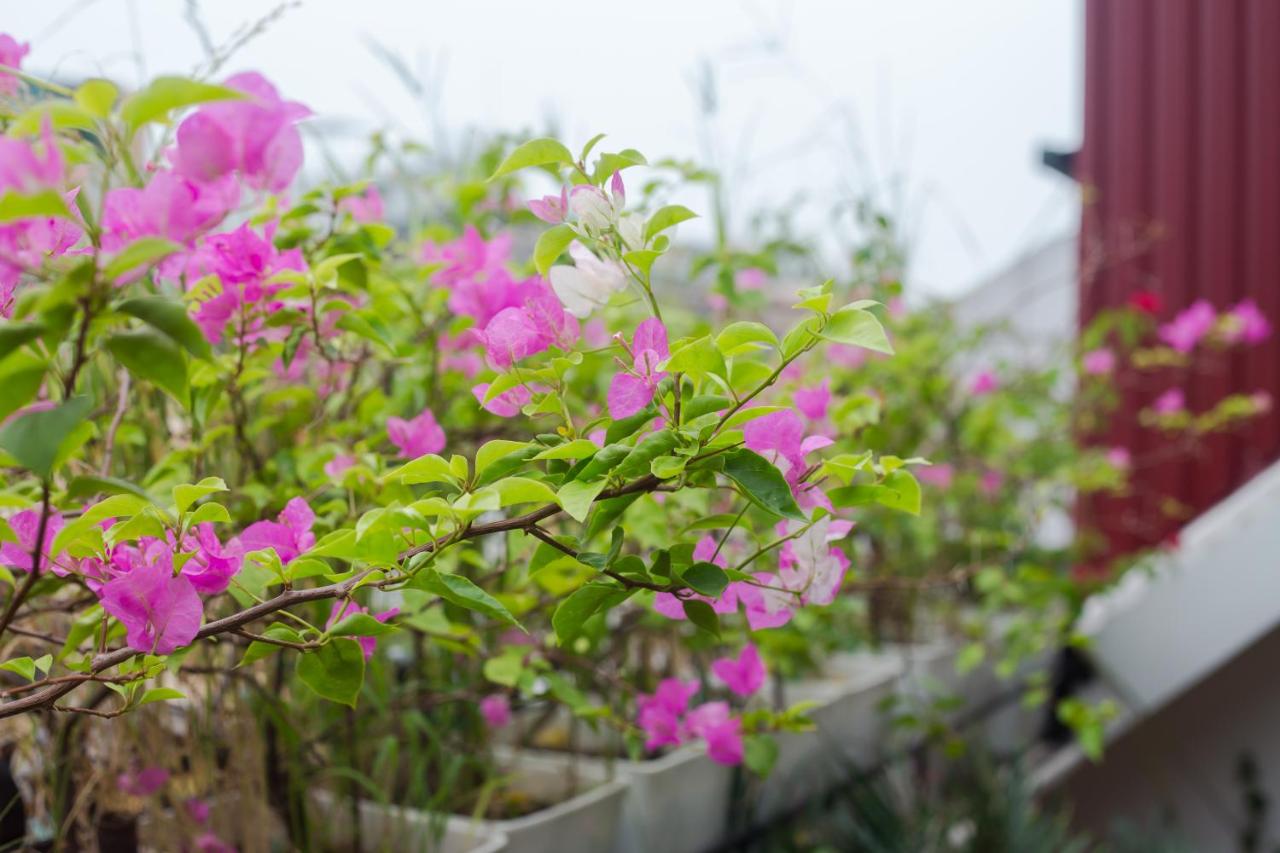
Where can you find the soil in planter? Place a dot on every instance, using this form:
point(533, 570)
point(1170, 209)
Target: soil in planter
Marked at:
point(506, 805)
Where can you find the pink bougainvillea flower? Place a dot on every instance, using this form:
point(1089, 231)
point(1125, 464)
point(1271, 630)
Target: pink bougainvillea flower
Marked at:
point(505, 405)
point(26, 526)
point(170, 205)
point(496, 710)
point(1185, 330)
point(990, 482)
point(244, 262)
point(12, 53)
point(1119, 457)
point(257, 137)
point(208, 842)
point(588, 284)
point(984, 382)
point(751, 278)
point(289, 536)
point(214, 564)
point(366, 207)
point(813, 402)
point(1170, 402)
point(197, 809)
point(143, 782)
point(780, 437)
point(659, 714)
point(343, 609)
point(1098, 362)
point(743, 675)
point(940, 475)
point(632, 390)
point(339, 465)
point(765, 602)
point(160, 612)
point(551, 208)
point(1246, 324)
point(416, 437)
point(712, 722)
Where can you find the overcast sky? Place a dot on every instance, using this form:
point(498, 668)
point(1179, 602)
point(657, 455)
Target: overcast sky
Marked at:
point(941, 106)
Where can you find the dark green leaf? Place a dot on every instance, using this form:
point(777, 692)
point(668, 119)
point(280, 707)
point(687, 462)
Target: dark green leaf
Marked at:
point(14, 335)
point(34, 438)
point(706, 578)
point(762, 482)
point(582, 605)
point(169, 316)
point(460, 591)
point(701, 614)
point(335, 671)
point(154, 357)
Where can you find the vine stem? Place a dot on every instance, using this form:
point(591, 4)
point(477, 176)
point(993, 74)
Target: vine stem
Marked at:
point(37, 552)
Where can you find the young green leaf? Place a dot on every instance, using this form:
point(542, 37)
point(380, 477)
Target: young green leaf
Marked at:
point(535, 152)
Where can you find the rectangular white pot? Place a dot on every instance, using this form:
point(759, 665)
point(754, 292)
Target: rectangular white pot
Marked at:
point(587, 821)
point(850, 729)
point(678, 803)
point(395, 828)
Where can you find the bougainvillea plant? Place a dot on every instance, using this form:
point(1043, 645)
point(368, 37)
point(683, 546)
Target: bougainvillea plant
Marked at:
point(236, 421)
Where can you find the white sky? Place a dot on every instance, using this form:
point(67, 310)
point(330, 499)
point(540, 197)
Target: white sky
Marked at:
point(944, 104)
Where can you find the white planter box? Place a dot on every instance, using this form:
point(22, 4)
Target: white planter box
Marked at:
point(585, 822)
point(850, 729)
point(388, 828)
point(678, 803)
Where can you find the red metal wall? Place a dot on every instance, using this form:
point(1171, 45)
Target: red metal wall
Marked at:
point(1180, 173)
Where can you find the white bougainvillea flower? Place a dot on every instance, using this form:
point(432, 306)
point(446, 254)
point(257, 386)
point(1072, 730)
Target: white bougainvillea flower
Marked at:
point(588, 284)
point(817, 569)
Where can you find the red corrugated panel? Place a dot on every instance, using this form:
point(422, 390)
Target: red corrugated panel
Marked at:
point(1180, 170)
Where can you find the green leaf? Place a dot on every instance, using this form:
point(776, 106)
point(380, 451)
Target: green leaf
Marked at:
point(759, 753)
point(83, 487)
point(23, 666)
point(706, 578)
point(551, 244)
point(185, 494)
point(523, 490)
point(15, 206)
point(335, 671)
point(899, 491)
point(165, 94)
point(97, 96)
point(860, 328)
point(701, 614)
point(145, 252)
point(577, 496)
point(360, 625)
point(258, 650)
point(169, 316)
point(970, 657)
point(641, 457)
point(14, 335)
point(762, 482)
point(425, 469)
point(160, 694)
point(664, 218)
point(492, 451)
point(116, 506)
point(697, 358)
point(579, 448)
point(462, 592)
point(745, 336)
point(153, 357)
point(582, 605)
point(211, 512)
point(34, 438)
point(535, 152)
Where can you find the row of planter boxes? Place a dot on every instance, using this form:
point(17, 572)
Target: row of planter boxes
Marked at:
point(681, 801)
